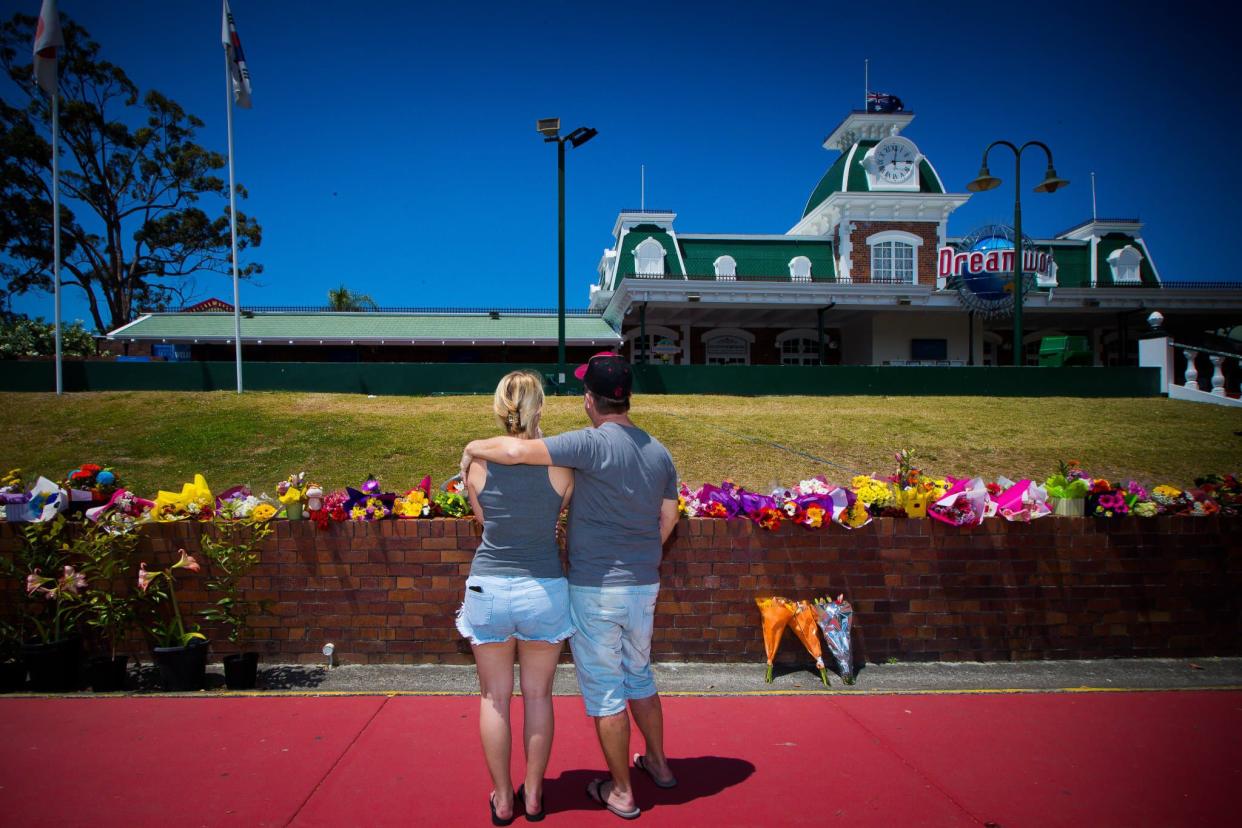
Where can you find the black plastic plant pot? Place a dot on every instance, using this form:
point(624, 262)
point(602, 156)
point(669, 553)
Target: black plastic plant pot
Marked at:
point(241, 671)
point(107, 674)
point(182, 668)
point(12, 675)
point(53, 667)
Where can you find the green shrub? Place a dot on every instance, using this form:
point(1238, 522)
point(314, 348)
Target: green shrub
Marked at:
point(24, 337)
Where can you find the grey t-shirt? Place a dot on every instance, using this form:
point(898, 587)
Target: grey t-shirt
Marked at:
point(623, 475)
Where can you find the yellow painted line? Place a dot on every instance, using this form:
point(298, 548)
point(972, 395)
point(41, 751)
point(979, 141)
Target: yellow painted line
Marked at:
point(835, 691)
point(854, 691)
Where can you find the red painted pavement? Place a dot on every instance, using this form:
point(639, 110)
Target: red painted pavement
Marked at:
point(1123, 759)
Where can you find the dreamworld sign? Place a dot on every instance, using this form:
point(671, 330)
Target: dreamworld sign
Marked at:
point(980, 268)
point(954, 262)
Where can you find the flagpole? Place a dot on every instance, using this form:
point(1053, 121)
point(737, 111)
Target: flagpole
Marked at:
point(866, 82)
point(60, 383)
point(228, 103)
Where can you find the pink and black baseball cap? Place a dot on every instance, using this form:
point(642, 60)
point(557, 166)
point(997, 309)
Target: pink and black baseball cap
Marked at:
point(606, 375)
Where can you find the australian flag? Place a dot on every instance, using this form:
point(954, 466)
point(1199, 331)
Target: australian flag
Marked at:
point(883, 102)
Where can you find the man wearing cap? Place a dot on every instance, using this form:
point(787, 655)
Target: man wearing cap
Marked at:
point(623, 509)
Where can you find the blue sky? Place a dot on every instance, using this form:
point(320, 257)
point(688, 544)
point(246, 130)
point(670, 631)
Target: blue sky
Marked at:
point(392, 147)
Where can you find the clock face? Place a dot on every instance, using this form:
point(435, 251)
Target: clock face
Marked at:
point(894, 161)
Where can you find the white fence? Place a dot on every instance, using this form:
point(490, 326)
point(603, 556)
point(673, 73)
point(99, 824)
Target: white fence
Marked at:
point(1219, 371)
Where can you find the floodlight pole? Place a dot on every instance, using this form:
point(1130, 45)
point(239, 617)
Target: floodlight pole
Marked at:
point(1050, 184)
point(550, 128)
point(560, 266)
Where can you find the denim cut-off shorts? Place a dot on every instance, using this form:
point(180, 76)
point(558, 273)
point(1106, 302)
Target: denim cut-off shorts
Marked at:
point(529, 609)
point(612, 644)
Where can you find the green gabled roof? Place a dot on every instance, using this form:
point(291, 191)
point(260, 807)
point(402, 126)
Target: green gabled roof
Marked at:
point(369, 326)
point(929, 179)
point(838, 179)
point(1113, 242)
point(639, 234)
point(758, 257)
point(834, 180)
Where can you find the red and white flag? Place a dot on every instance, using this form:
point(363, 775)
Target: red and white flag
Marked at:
point(47, 40)
point(237, 60)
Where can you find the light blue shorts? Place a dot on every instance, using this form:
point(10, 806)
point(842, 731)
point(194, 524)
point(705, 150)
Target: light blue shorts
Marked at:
point(612, 644)
point(530, 609)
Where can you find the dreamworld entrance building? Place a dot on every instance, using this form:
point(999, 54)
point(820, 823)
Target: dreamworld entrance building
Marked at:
point(868, 275)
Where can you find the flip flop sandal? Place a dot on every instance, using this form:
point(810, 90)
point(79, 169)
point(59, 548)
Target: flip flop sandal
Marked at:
point(491, 804)
point(520, 796)
point(640, 762)
point(595, 792)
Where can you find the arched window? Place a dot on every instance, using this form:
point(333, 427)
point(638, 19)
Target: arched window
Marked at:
point(662, 346)
point(894, 257)
point(800, 269)
point(726, 268)
point(649, 258)
point(1125, 265)
point(728, 346)
point(799, 347)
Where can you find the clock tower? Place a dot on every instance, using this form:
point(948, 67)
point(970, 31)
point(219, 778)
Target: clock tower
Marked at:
point(881, 202)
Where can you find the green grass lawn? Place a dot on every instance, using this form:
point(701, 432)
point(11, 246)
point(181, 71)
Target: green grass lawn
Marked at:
point(160, 439)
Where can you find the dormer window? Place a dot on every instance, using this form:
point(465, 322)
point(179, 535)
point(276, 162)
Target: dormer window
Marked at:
point(649, 258)
point(726, 268)
point(894, 257)
point(800, 269)
point(1125, 265)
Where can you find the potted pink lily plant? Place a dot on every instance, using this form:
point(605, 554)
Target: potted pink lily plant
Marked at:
point(179, 653)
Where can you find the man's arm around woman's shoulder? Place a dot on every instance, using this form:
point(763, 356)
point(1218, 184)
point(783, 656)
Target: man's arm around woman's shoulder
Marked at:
point(507, 451)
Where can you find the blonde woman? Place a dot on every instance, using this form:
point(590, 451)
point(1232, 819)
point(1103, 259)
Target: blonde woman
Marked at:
point(517, 598)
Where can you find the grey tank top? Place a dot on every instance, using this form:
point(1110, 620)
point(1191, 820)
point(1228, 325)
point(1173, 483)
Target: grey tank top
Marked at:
point(520, 509)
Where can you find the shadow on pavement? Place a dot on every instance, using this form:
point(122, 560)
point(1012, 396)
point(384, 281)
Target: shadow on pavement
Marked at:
point(697, 777)
point(145, 678)
point(291, 677)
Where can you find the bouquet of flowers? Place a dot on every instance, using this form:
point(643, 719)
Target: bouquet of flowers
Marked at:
point(123, 511)
point(194, 502)
point(1068, 488)
point(451, 500)
point(91, 482)
point(712, 501)
point(44, 501)
point(1226, 490)
point(291, 492)
point(11, 483)
point(835, 619)
point(413, 504)
point(370, 502)
point(875, 495)
point(332, 508)
point(1022, 501)
point(776, 613)
point(13, 496)
point(236, 503)
point(966, 503)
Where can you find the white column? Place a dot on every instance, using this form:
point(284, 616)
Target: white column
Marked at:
point(1192, 373)
point(1157, 352)
point(1218, 376)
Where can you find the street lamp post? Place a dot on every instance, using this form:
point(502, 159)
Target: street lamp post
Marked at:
point(986, 181)
point(550, 128)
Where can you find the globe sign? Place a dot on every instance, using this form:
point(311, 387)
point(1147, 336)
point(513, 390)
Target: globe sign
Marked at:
point(988, 287)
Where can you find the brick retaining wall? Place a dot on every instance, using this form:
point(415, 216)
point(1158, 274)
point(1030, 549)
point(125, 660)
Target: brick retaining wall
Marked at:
point(1056, 588)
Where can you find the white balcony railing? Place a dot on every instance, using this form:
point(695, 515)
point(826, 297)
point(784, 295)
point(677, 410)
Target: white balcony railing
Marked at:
point(1186, 369)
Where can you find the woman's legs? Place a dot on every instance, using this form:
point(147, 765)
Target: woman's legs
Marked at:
point(495, 665)
point(538, 661)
